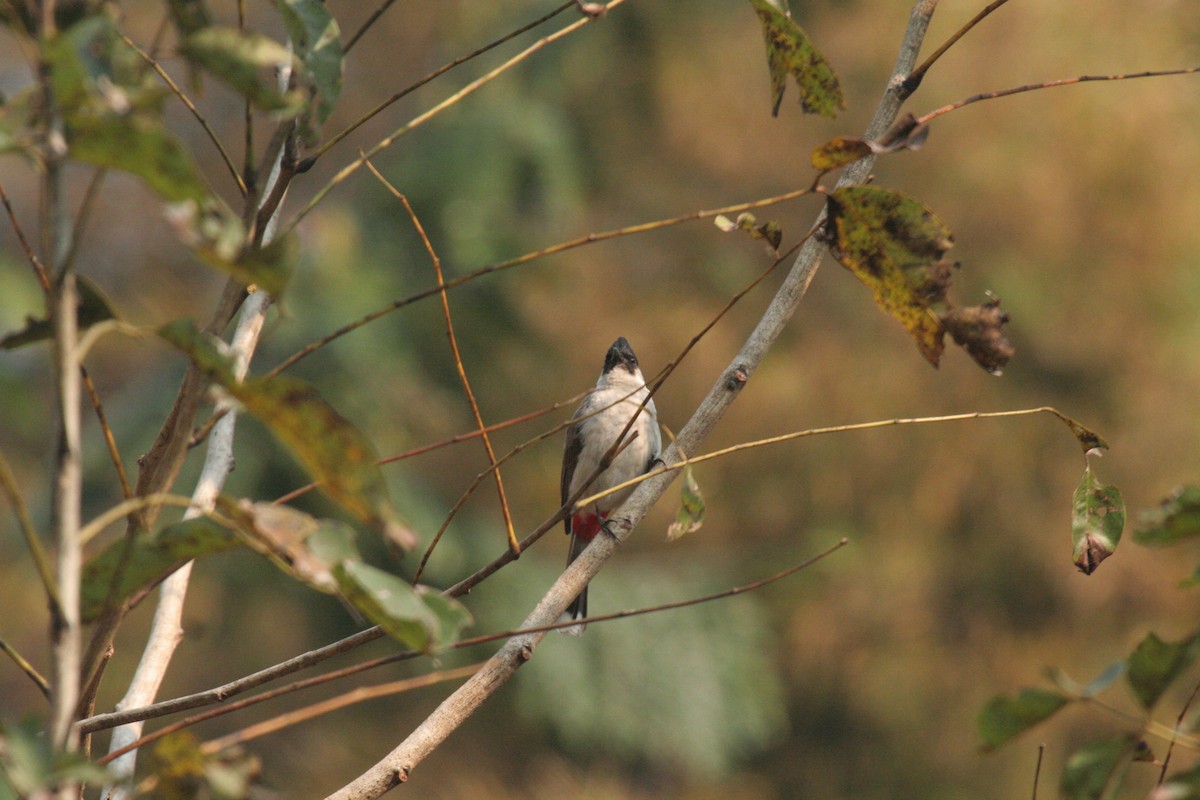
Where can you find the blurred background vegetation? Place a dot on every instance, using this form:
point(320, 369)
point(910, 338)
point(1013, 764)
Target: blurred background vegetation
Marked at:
point(861, 677)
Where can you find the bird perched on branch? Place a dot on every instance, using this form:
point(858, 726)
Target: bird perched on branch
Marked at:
point(598, 421)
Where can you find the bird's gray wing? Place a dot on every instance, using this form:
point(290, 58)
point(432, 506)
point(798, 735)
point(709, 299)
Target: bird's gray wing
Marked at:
point(571, 451)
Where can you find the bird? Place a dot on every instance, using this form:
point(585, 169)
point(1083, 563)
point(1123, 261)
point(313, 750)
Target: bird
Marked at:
point(594, 429)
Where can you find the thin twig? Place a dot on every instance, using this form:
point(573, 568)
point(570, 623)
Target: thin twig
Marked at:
point(914, 80)
point(38, 268)
point(456, 354)
point(41, 560)
point(645, 227)
point(787, 437)
point(1032, 87)
point(357, 695)
point(187, 102)
point(371, 20)
point(1166, 762)
point(324, 148)
point(421, 119)
point(24, 665)
point(106, 430)
point(425, 448)
point(1037, 770)
point(90, 196)
point(223, 693)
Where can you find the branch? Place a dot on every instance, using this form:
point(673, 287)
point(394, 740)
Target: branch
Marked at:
point(494, 467)
point(644, 227)
point(917, 75)
point(397, 765)
point(308, 162)
point(24, 665)
point(1033, 87)
point(421, 119)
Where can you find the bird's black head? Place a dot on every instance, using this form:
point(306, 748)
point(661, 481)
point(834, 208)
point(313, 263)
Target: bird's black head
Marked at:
point(620, 354)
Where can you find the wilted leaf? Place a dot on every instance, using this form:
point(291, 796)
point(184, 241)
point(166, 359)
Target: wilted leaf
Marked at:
point(1175, 519)
point(1004, 718)
point(314, 33)
point(905, 134)
point(1094, 767)
point(980, 331)
point(185, 770)
point(126, 568)
point(248, 63)
point(302, 545)
point(768, 231)
point(1097, 519)
point(1089, 440)
point(839, 152)
point(1180, 786)
point(335, 453)
point(894, 245)
point(403, 611)
point(789, 52)
point(1106, 678)
point(94, 307)
point(1155, 664)
point(691, 508)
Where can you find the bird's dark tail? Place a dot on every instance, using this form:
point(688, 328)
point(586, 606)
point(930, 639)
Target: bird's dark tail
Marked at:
point(578, 608)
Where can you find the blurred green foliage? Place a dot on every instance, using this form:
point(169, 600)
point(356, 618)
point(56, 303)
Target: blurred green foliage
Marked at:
point(860, 678)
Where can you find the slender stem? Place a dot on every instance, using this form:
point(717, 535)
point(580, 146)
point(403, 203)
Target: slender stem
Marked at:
point(38, 268)
point(590, 238)
point(914, 79)
point(23, 664)
point(41, 560)
point(456, 354)
point(1033, 87)
point(109, 440)
point(334, 140)
point(453, 99)
point(371, 20)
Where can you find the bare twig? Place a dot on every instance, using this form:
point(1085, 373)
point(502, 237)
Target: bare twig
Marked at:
point(38, 268)
point(358, 695)
point(1033, 87)
point(1037, 770)
point(1166, 762)
point(458, 362)
point(24, 665)
point(453, 99)
point(224, 693)
point(324, 148)
point(395, 767)
point(787, 437)
point(914, 79)
point(371, 20)
point(644, 227)
point(187, 102)
point(41, 560)
point(106, 430)
point(462, 437)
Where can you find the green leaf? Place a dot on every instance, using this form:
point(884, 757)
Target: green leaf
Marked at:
point(138, 144)
point(246, 62)
point(1175, 519)
point(94, 307)
point(33, 767)
point(1155, 664)
point(301, 545)
point(1004, 718)
point(408, 614)
point(894, 245)
point(789, 52)
point(1098, 764)
point(691, 508)
point(1180, 786)
point(189, 16)
point(314, 33)
point(334, 452)
point(16, 131)
point(125, 568)
point(452, 616)
point(1097, 519)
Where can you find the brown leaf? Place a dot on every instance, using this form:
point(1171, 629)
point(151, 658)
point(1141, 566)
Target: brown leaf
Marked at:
point(980, 331)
